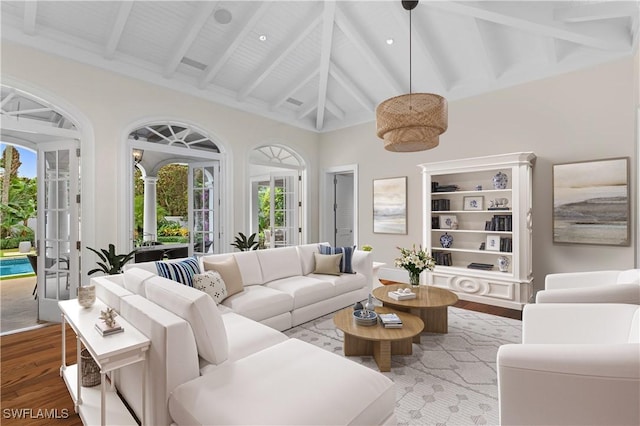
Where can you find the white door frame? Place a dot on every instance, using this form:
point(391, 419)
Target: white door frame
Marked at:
point(326, 201)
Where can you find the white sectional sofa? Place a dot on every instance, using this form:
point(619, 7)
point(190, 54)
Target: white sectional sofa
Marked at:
point(281, 289)
point(609, 286)
point(210, 365)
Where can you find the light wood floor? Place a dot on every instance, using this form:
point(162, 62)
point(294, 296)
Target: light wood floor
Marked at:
point(30, 364)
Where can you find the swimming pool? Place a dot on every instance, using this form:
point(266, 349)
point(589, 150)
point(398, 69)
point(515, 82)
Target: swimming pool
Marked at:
point(15, 266)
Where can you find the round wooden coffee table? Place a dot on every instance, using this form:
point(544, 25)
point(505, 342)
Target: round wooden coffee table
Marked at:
point(376, 340)
point(430, 304)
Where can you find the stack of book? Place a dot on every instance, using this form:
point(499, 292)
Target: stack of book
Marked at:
point(390, 320)
point(483, 266)
point(401, 295)
point(104, 330)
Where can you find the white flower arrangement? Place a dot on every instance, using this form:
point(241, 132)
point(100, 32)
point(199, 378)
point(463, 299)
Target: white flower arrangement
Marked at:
point(415, 260)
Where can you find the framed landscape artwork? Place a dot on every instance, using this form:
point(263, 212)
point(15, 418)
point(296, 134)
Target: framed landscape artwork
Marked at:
point(591, 202)
point(390, 205)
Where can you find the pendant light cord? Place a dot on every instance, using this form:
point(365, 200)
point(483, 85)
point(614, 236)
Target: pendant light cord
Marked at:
point(410, 67)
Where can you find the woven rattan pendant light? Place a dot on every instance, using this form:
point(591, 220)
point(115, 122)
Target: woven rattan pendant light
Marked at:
point(415, 121)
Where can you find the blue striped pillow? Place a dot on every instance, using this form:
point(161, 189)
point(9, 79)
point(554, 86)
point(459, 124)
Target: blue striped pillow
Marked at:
point(181, 272)
point(347, 256)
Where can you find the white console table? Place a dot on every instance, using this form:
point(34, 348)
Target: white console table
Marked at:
point(110, 353)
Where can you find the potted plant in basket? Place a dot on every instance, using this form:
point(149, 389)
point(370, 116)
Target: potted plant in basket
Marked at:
point(415, 261)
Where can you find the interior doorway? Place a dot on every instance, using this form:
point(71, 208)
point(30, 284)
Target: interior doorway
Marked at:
point(339, 217)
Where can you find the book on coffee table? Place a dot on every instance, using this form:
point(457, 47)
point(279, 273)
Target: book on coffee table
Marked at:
point(390, 320)
point(401, 296)
point(104, 330)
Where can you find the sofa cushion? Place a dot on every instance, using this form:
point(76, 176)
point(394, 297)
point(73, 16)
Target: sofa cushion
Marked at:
point(347, 256)
point(279, 263)
point(307, 259)
point(211, 283)
point(292, 383)
point(259, 302)
point(344, 283)
point(249, 267)
point(181, 272)
point(109, 291)
point(327, 263)
point(134, 279)
point(304, 290)
point(230, 273)
point(630, 276)
point(198, 309)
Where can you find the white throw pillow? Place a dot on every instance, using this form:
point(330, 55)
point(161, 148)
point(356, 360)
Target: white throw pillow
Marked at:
point(211, 283)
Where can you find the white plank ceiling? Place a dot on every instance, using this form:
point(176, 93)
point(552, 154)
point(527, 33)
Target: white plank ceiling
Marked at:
point(325, 65)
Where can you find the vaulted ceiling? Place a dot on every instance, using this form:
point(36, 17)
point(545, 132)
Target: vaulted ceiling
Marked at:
point(325, 65)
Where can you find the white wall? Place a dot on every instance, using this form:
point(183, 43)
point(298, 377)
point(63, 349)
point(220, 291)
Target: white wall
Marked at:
point(582, 115)
point(112, 103)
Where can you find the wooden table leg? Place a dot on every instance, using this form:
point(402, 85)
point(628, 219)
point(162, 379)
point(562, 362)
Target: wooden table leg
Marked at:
point(382, 354)
point(436, 320)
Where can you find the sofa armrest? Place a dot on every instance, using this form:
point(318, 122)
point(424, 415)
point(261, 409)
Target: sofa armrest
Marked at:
point(568, 384)
point(579, 279)
point(362, 261)
point(609, 293)
point(604, 323)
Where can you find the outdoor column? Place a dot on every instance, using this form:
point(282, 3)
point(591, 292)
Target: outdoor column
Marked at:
point(150, 222)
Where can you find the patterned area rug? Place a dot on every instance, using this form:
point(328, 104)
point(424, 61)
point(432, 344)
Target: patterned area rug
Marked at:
point(449, 379)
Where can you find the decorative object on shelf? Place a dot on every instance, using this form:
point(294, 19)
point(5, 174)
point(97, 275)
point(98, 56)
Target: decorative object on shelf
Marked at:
point(89, 370)
point(493, 243)
point(415, 261)
point(446, 240)
point(591, 202)
point(366, 247)
point(358, 306)
point(108, 316)
point(414, 121)
point(499, 204)
point(86, 296)
point(369, 306)
point(500, 181)
point(473, 203)
point(390, 205)
point(503, 263)
point(448, 221)
point(112, 263)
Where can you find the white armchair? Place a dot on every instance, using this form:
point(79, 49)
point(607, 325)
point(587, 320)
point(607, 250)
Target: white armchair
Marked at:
point(578, 364)
point(592, 287)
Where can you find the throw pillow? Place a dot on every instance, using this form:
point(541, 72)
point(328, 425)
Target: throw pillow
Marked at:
point(211, 283)
point(181, 272)
point(328, 264)
point(230, 273)
point(347, 256)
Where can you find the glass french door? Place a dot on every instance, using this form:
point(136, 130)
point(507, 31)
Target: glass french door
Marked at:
point(58, 270)
point(204, 207)
point(284, 209)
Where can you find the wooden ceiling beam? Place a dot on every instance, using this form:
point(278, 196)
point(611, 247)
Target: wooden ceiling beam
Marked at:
point(192, 28)
point(328, 22)
point(117, 28)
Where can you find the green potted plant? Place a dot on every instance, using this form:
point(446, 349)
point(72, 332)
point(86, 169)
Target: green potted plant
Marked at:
point(111, 263)
point(243, 243)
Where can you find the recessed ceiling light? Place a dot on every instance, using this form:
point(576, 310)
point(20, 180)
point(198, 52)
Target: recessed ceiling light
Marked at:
point(262, 37)
point(389, 41)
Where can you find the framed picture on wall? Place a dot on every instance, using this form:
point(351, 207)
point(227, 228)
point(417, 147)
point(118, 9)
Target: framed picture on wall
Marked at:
point(390, 205)
point(591, 202)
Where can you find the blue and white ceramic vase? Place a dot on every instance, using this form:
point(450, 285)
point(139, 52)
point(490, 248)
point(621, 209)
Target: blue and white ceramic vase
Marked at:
point(500, 181)
point(446, 240)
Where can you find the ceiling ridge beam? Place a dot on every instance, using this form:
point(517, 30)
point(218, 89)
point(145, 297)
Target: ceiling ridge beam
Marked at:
point(304, 78)
point(193, 28)
point(559, 30)
point(303, 30)
point(243, 29)
point(118, 28)
point(30, 14)
point(345, 25)
point(328, 21)
point(351, 87)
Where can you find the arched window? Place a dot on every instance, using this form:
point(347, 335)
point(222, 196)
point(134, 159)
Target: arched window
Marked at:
point(177, 209)
point(277, 192)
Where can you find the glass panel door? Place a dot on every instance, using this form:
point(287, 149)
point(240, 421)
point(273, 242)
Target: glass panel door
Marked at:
point(58, 227)
point(284, 209)
point(204, 205)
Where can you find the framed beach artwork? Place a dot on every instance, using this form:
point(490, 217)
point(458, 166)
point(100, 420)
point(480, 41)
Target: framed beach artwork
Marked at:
point(390, 205)
point(591, 202)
